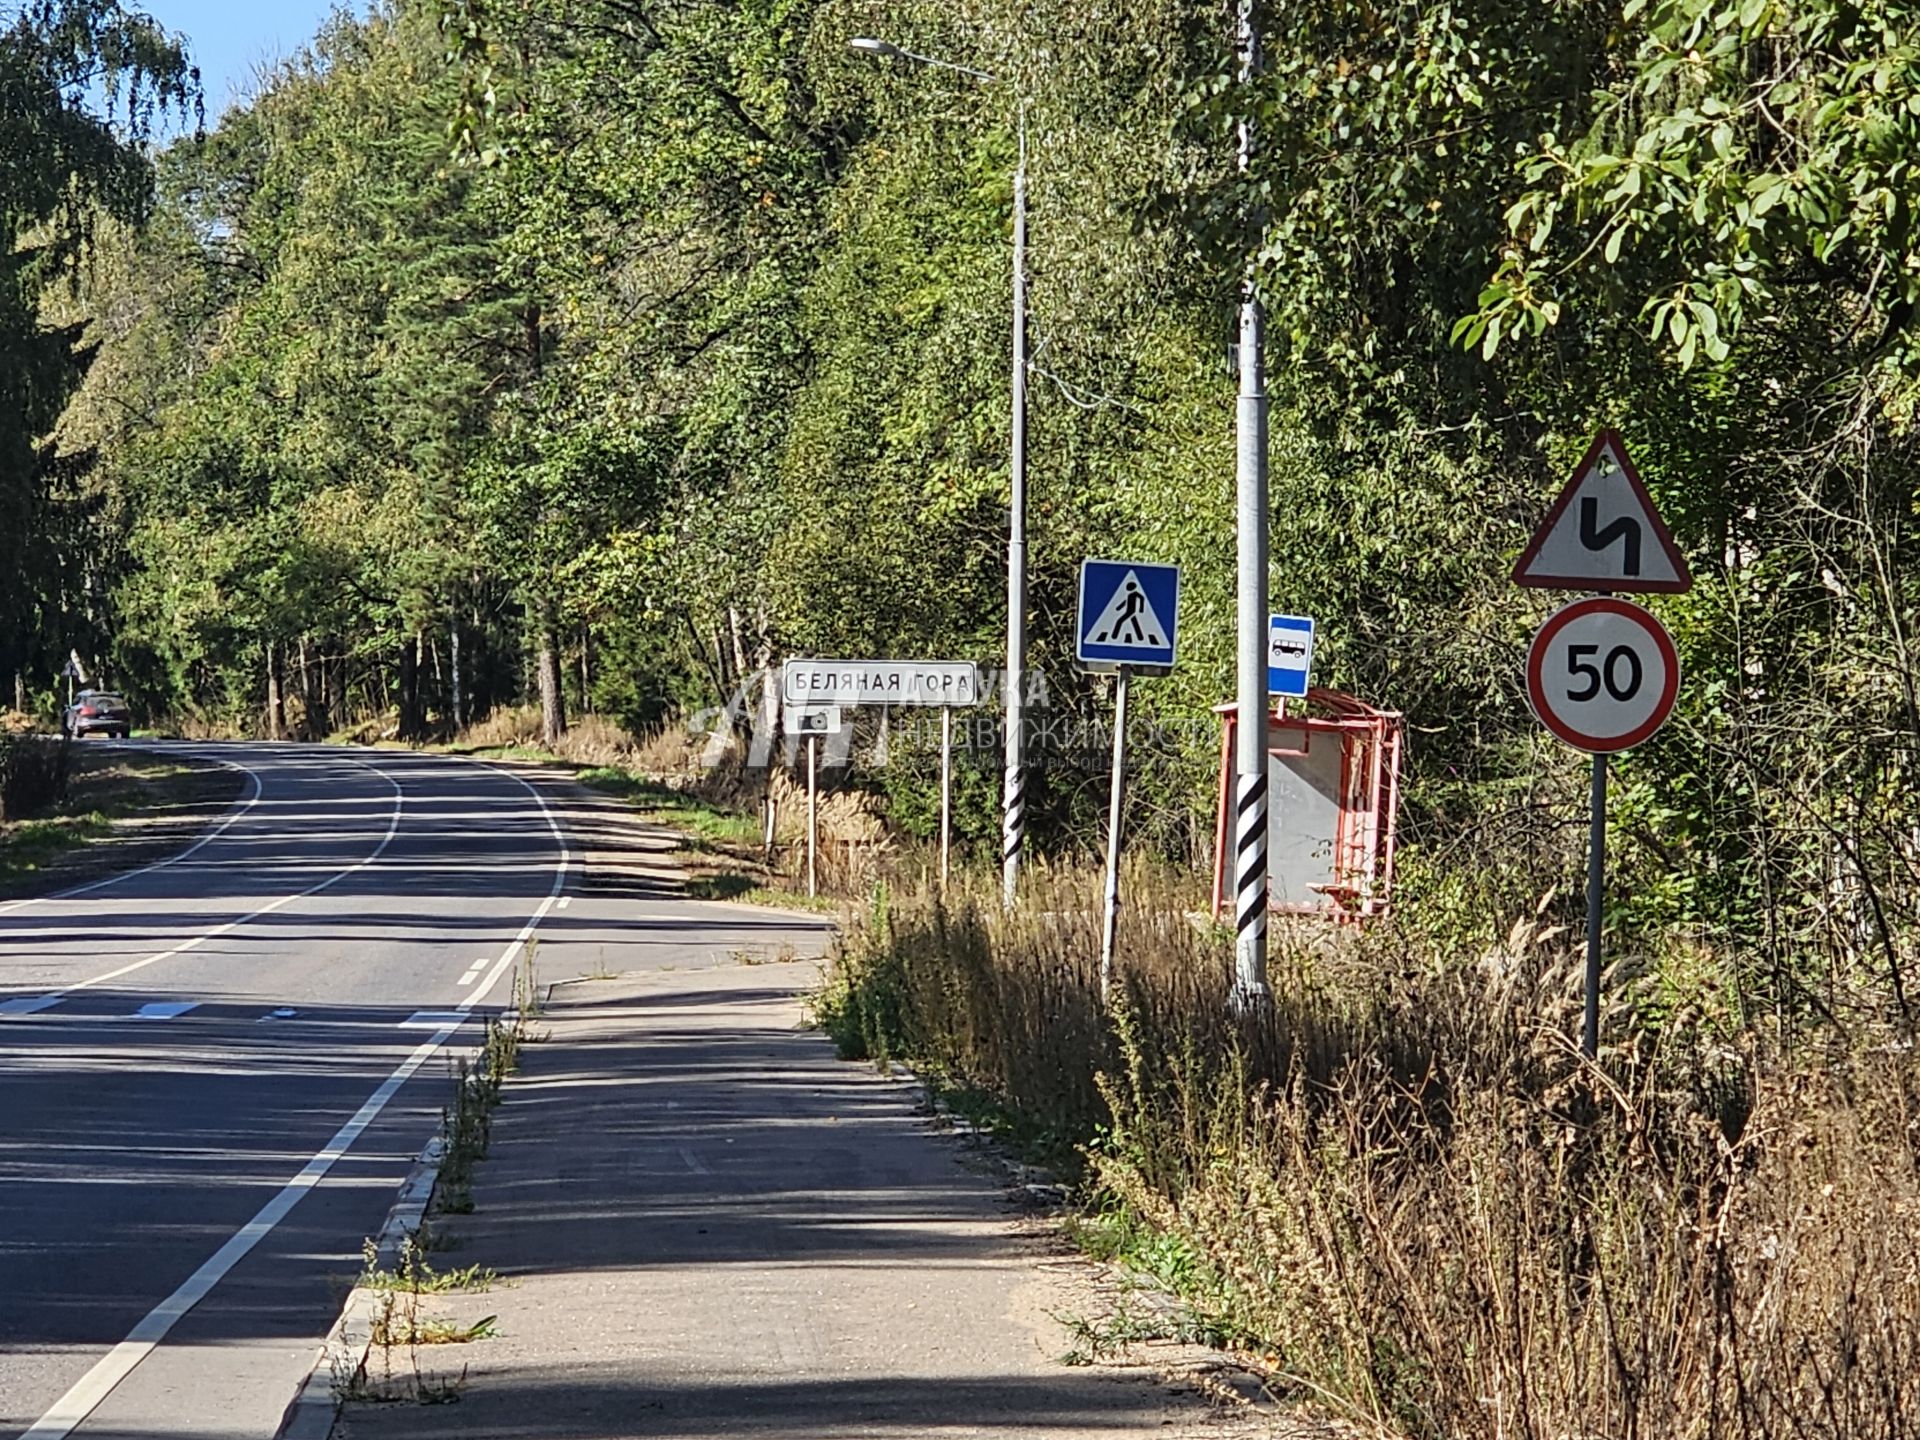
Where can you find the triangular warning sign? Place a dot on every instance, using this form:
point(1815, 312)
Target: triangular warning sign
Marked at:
point(1603, 532)
point(1129, 620)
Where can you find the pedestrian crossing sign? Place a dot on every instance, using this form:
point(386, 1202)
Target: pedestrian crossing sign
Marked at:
point(1129, 614)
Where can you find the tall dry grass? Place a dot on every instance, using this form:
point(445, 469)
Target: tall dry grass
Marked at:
point(587, 740)
point(1405, 1185)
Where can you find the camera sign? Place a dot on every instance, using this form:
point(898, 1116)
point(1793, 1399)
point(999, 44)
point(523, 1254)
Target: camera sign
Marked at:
point(811, 719)
point(1602, 675)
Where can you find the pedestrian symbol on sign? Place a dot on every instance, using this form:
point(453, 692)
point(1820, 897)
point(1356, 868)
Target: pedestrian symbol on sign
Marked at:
point(1129, 618)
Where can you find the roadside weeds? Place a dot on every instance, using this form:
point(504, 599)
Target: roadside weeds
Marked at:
point(372, 1355)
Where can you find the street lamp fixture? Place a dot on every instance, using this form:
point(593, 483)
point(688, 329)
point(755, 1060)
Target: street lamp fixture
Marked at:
point(1013, 810)
point(887, 50)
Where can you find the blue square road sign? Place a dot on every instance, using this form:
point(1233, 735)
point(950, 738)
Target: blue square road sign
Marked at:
point(1289, 654)
point(1129, 614)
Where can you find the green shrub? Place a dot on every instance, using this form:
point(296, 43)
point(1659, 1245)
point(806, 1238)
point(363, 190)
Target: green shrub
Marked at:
point(33, 775)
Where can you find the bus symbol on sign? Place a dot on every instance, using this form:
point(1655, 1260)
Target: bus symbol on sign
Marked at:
point(1289, 654)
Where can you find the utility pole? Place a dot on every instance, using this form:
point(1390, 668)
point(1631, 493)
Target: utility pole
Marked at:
point(1013, 825)
point(1250, 990)
point(1013, 830)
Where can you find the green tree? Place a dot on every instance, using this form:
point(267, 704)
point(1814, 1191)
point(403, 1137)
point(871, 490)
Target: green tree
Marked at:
point(64, 170)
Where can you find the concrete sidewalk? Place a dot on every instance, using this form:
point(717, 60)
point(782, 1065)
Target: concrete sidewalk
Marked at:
point(706, 1225)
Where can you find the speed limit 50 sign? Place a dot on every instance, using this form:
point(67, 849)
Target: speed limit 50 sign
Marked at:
point(1602, 675)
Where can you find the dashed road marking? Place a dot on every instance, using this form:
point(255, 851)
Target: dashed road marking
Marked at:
point(165, 1009)
point(30, 1004)
point(432, 1019)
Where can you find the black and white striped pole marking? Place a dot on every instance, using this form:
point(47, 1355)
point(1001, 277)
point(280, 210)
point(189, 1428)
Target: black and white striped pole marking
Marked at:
point(1129, 617)
point(1288, 661)
point(1013, 823)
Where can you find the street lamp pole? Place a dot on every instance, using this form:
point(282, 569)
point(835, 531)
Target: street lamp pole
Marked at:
point(1250, 990)
point(1013, 809)
point(1013, 830)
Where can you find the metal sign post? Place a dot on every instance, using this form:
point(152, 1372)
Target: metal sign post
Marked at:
point(1129, 620)
point(946, 791)
point(1252, 516)
point(1116, 796)
point(813, 815)
point(73, 670)
point(1596, 905)
point(1602, 674)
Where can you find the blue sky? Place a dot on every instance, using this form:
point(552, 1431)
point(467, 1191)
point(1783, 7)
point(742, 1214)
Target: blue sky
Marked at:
point(231, 39)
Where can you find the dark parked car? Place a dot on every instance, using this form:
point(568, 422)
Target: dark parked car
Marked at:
point(99, 712)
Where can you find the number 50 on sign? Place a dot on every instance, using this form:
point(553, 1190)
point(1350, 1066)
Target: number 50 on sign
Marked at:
point(1602, 675)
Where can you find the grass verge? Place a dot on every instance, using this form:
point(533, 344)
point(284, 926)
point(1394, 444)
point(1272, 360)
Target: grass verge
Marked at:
point(119, 805)
point(721, 846)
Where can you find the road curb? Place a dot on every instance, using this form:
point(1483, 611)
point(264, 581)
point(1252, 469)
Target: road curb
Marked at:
point(315, 1406)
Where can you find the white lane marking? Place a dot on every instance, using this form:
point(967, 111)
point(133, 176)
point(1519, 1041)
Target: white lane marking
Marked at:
point(235, 814)
point(565, 901)
point(432, 1019)
point(473, 972)
point(512, 953)
point(165, 1009)
point(98, 1383)
point(27, 1005)
point(283, 1013)
point(393, 829)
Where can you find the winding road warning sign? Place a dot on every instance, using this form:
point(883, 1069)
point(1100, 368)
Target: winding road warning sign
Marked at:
point(1604, 533)
point(1602, 675)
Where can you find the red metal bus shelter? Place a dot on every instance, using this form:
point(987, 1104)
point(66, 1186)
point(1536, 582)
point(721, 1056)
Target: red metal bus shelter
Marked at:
point(1333, 776)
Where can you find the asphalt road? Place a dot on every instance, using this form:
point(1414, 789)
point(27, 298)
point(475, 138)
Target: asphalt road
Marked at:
point(214, 1072)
